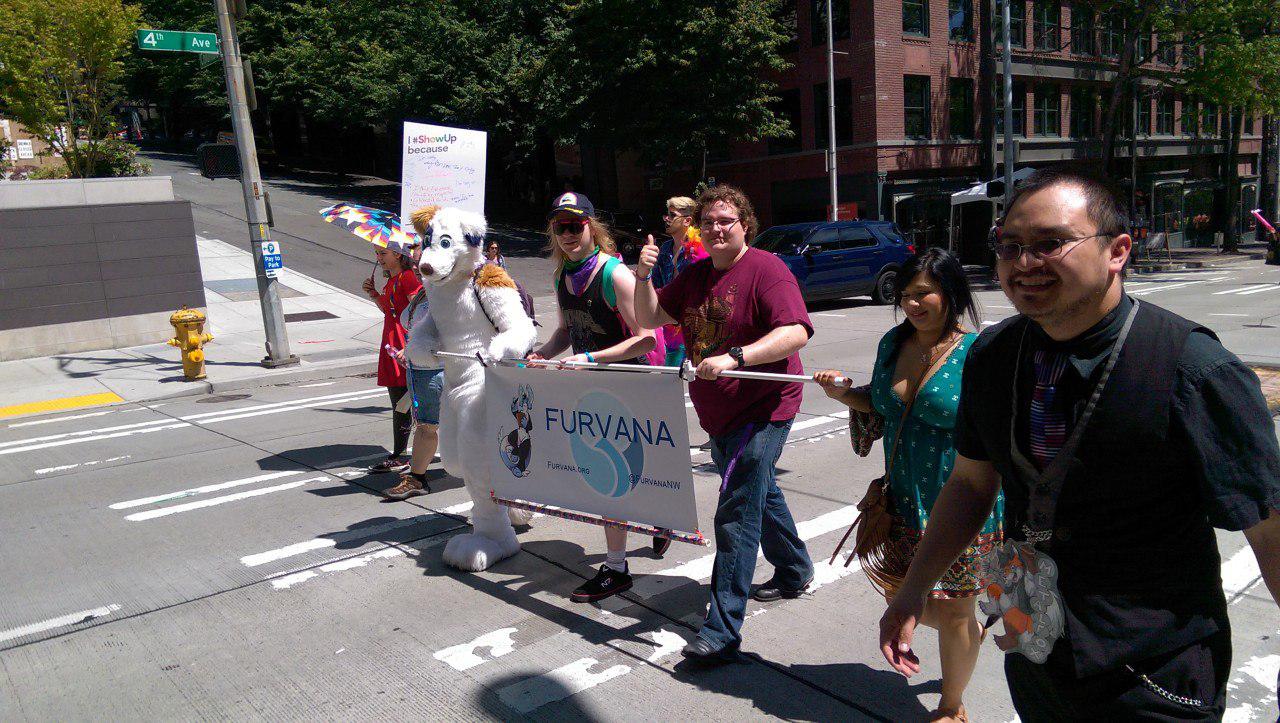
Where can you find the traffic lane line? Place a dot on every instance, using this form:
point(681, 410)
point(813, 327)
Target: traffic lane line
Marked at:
point(93, 463)
point(84, 616)
point(159, 425)
point(73, 417)
point(203, 489)
point(215, 501)
point(1240, 290)
point(60, 403)
point(795, 427)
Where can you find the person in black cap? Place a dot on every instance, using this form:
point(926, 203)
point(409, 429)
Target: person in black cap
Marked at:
point(594, 291)
point(1121, 435)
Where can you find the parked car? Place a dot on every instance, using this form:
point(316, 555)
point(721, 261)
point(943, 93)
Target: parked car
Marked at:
point(629, 231)
point(832, 260)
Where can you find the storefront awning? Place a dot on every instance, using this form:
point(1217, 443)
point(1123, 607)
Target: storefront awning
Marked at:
point(978, 192)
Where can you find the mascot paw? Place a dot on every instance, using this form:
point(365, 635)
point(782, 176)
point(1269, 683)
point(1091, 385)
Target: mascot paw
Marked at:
point(519, 518)
point(473, 553)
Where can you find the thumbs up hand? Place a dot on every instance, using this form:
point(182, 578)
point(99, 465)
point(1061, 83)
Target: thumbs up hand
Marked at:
point(648, 257)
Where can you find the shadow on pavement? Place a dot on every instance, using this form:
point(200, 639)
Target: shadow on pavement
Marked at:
point(567, 706)
point(885, 692)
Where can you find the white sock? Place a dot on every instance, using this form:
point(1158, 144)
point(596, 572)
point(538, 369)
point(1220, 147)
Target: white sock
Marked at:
point(616, 561)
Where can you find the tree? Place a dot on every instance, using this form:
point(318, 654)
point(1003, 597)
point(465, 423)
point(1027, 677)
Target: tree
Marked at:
point(60, 66)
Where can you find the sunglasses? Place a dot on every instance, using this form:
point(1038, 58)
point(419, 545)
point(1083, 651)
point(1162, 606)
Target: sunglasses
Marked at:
point(570, 227)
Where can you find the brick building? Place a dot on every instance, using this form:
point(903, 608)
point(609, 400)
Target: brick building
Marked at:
point(907, 122)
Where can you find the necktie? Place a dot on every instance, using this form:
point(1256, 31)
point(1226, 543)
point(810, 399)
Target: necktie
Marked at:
point(1048, 422)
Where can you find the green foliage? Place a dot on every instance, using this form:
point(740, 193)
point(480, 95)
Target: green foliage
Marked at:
point(49, 172)
point(60, 66)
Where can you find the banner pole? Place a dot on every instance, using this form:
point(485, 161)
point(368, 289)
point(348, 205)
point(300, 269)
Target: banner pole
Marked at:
point(685, 372)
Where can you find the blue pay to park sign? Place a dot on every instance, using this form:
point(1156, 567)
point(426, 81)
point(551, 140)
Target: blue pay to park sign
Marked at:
point(272, 261)
point(178, 41)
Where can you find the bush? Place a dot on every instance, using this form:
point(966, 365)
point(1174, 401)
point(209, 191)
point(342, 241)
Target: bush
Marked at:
point(119, 158)
point(44, 173)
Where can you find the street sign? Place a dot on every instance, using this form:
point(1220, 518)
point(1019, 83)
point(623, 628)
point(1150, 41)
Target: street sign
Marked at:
point(272, 261)
point(178, 41)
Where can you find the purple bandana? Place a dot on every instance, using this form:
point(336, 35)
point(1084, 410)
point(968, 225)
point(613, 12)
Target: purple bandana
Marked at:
point(580, 272)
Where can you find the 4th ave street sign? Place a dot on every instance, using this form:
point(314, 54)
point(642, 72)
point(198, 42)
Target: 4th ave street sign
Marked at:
point(178, 41)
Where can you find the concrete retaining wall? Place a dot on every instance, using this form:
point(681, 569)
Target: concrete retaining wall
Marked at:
point(97, 264)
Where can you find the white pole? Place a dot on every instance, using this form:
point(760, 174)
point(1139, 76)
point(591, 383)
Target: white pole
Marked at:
point(685, 372)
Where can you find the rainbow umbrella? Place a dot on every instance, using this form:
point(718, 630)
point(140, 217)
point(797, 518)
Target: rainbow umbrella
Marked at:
point(374, 225)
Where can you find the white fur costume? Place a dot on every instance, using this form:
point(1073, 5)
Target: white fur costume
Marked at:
point(455, 322)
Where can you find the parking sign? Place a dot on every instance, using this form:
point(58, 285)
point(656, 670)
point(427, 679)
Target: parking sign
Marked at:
point(272, 261)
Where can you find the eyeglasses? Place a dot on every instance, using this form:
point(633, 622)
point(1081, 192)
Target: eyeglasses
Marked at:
point(723, 224)
point(570, 227)
point(1045, 248)
point(673, 216)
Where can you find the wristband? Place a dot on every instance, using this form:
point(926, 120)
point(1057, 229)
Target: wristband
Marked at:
point(590, 358)
point(646, 277)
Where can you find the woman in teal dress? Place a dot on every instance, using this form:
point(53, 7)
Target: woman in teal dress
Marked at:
point(928, 351)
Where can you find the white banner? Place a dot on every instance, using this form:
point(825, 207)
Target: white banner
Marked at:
point(612, 444)
point(442, 167)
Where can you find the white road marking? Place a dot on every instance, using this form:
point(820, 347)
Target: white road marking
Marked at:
point(213, 502)
point(1272, 287)
point(568, 680)
point(1243, 290)
point(838, 316)
point(65, 467)
point(156, 425)
point(1229, 315)
point(83, 616)
point(463, 657)
point(359, 533)
point(1241, 572)
point(287, 581)
point(1170, 287)
point(317, 384)
point(667, 643)
point(62, 419)
point(202, 490)
point(797, 427)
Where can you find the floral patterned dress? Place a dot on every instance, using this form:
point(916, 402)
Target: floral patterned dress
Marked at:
point(924, 459)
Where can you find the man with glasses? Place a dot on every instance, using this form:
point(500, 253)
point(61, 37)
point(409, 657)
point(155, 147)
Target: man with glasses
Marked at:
point(675, 254)
point(1121, 434)
point(740, 308)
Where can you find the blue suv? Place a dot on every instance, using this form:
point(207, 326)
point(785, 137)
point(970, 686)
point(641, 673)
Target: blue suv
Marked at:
point(835, 259)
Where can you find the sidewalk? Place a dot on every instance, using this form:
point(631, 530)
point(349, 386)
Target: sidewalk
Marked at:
point(1195, 258)
point(334, 333)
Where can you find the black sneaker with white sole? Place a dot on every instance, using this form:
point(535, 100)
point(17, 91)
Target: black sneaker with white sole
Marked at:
point(390, 464)
point(606, 582)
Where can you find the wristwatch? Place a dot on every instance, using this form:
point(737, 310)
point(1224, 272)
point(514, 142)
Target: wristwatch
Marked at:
point(736, 353)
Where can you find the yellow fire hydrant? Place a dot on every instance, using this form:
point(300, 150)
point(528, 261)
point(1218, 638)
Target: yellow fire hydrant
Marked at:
point(189, 336)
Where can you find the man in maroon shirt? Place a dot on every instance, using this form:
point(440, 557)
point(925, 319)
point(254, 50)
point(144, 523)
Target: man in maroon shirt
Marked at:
point(740, 307)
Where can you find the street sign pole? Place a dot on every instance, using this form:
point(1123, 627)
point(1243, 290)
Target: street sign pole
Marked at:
point(254, 203)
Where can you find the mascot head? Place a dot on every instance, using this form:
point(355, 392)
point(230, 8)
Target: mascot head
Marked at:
point(452, 242)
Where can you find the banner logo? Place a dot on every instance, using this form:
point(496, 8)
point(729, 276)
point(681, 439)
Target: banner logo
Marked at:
point(608, 441)
point(515, 447)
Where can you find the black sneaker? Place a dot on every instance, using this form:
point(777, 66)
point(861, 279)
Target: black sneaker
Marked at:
point(390, 464)
point(769, 591)
point(607, 582)
point(661, 545)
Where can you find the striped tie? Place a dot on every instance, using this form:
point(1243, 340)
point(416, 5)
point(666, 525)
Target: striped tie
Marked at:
point(1048, 423)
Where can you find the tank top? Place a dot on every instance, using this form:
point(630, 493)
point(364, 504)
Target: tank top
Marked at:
point(592, 318)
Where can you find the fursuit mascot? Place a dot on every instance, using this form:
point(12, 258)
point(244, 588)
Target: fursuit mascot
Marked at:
point(474, 308)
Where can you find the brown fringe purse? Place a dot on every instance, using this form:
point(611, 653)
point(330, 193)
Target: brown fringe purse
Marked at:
point(884, 562)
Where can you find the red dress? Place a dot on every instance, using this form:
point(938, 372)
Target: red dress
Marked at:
point(394, 298)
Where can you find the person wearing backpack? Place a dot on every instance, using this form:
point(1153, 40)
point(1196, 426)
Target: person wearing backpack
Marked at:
point(596, 319)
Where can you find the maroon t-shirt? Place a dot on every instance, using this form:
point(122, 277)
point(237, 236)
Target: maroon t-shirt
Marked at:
point(736, 307)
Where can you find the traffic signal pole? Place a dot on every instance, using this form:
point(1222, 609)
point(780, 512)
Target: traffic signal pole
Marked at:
point(255, 206)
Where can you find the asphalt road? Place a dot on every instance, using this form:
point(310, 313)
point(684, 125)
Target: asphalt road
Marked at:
point(229, 558)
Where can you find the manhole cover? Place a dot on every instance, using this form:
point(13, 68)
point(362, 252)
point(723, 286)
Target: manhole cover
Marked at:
point(217, 398)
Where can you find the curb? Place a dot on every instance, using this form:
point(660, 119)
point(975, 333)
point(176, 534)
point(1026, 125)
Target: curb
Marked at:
point(304, 372)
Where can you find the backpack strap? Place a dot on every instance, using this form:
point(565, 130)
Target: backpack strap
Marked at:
point(479, 299)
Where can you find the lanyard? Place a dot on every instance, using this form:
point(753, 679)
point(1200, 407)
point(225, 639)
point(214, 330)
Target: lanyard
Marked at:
point(1045, 487)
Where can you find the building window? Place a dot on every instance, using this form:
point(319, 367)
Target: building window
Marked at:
point(818, 21)
point(1190, 119)
point(1017, 24)
point(1048, 111)
point(788, 109)
point(1019, 107)
point(844, 113)
point(1143, 51)
point(1112, 34)
point(1190, 56)
point(915, 17)
point(1084, 104)
point(1144, 114)
point(1167, 51)
point(1164, 115)
point(1209, 120)
point(915, 105)
point(1045, 24)
point(1248, 123)
point(960, 19)
point(1082, 39)
point(960, 112)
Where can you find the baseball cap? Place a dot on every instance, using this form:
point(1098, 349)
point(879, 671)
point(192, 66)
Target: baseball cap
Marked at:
point(575, 203)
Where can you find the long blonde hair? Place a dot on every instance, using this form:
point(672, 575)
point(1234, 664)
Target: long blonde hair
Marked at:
point(600, 236)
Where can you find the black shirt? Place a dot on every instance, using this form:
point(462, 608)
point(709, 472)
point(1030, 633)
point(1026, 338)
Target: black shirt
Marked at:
point(1217, 411)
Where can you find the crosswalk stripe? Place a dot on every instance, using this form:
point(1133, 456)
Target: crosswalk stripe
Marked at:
point(1240, 291)
point(83, 616)
point(1269, 287)
point(215, 501)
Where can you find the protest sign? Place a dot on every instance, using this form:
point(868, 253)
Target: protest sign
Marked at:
point(611, 444)
point(442, 167)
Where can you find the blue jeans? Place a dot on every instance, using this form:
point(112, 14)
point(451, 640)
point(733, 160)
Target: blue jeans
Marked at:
point(750, 515)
